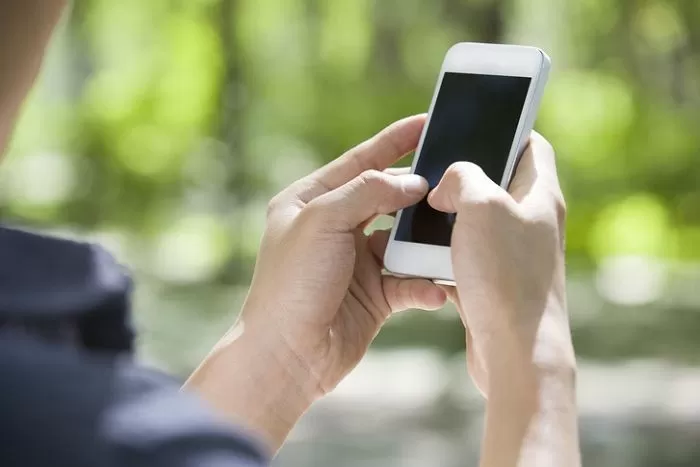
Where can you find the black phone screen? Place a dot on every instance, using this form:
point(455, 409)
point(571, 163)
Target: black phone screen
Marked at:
point(474, 119)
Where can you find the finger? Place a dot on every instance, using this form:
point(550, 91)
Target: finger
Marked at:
point(543, 157)
point(536, 184)
point(462, 184)
point(453, 296)
point(377, 153)
point(536, 170)
point(364, 197)
point(397, 170)
point(369, 221)
point(403, 294)
point(451, 292)
point(389, 171)
point(378, 241)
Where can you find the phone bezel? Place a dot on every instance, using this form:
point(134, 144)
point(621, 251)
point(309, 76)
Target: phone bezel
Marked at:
point(433, 261)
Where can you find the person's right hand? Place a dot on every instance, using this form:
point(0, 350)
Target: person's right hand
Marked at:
point(508, 261)
point(318, 296)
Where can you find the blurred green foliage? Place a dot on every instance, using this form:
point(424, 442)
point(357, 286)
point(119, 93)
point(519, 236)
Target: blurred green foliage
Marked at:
point(163, 127)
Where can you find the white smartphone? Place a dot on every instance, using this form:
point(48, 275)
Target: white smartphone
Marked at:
point(483, 110)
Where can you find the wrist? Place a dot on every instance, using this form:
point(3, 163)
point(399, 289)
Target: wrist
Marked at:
point(252, 380)
point(529, 380)
point(535, 339)
point(528, 367)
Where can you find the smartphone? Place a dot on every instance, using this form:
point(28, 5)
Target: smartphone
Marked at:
point(483, 110)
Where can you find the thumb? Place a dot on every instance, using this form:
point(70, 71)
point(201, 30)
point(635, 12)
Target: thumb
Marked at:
point(464, 183)
point(367, 195)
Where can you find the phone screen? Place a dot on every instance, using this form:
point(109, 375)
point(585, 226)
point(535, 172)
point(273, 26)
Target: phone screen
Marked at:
point(474, 119)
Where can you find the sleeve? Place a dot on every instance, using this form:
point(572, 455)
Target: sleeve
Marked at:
point(60, 407)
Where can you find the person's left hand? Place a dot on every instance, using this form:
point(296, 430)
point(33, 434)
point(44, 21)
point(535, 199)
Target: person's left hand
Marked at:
point(318, 296)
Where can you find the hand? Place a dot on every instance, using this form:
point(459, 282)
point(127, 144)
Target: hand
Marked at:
point(508, 261)
point(318, 285)
point(318, 297)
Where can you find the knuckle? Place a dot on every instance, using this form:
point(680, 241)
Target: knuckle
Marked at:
point(560, 209)
point(498, 200)
point(549, 217)
point(458, 175)
point(540, 141)
point(312, 213)
point(462, 168)
point(546, 144)
point(482, 207)
point(380, 185)
point(545, 229)
point(404, 295)
point(273, 205)
point(374, 178)
point(540, 219)
point(553, 207)
point(494, 201)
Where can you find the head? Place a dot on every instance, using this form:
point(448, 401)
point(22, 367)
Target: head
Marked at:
point(25, 30)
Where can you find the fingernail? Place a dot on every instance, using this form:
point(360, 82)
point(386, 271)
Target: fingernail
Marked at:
point(414, 184)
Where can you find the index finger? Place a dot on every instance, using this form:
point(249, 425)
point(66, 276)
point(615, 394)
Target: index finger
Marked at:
point(536, 171)
point(377, 153)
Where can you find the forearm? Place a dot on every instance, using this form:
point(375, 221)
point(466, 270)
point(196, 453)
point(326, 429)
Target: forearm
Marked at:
point(532, 427)
point(25, 29)
point(531, 416)
point(248, 380)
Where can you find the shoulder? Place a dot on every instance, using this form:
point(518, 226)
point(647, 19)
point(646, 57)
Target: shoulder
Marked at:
point(62, 407)
point(64, 290)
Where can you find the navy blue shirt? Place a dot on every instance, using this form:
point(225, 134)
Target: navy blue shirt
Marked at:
point(70, 394)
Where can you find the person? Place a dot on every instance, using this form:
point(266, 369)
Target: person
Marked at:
point(72, 396)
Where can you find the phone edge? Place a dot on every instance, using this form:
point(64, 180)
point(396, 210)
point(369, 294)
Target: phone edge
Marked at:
point(528, 126)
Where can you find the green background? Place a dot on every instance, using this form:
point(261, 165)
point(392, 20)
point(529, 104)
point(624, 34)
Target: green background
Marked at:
point(162, 128)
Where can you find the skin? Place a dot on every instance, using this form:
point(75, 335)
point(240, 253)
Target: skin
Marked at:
point(25, 29)
point(508, 259)
point(318, 297)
